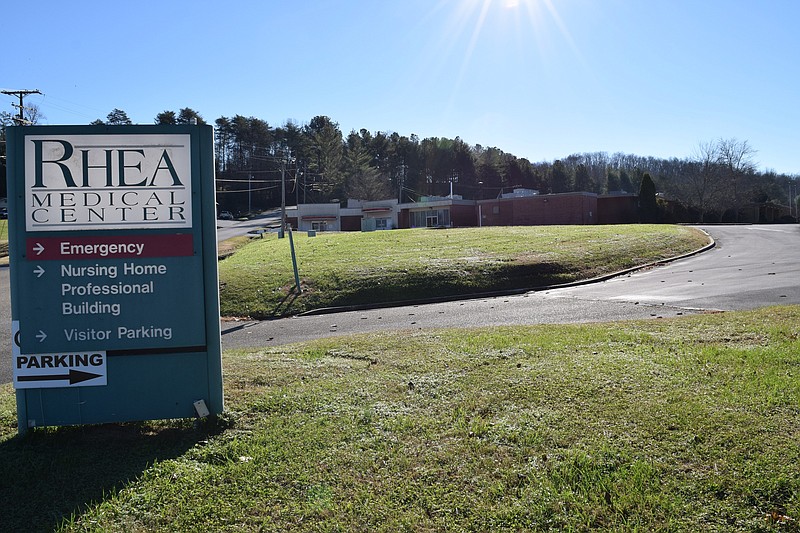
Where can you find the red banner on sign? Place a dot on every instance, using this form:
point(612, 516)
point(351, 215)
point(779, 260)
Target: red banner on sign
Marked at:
point(108, 247)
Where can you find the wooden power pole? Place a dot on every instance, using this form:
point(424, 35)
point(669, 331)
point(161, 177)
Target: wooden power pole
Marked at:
point(22, 93)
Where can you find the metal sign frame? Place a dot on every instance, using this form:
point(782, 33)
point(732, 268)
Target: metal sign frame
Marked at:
point(114, 287)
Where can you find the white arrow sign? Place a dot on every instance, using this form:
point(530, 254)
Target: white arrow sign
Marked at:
point(41, 335)
point(38, 248)
point(63, 369)
point(38, 271)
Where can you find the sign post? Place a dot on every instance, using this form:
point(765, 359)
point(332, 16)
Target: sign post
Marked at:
point(114, 291)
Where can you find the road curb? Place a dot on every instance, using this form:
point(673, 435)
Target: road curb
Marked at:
point(511, 292)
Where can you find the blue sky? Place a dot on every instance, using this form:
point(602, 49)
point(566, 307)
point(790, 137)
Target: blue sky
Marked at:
point(541, 79)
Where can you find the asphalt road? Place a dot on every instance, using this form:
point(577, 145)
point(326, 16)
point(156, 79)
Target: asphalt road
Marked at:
point(227, 229)
point(751, 266)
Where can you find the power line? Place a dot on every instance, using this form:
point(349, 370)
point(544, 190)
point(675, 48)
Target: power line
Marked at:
point(229, 191)
point(225, 180)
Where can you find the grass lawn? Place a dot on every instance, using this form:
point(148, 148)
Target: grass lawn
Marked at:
point(3, 242)
point(389, 266)
point(685, 424)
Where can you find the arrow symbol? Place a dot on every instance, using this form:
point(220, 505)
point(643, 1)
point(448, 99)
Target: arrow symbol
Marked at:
point(41, 335)
point(38, 271)
point(38, 248)
point(74, 376)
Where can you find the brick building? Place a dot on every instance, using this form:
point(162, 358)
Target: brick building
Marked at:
point(523, 207)
point(539, 210)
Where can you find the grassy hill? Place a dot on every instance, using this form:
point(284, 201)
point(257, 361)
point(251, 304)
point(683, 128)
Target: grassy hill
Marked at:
point(339, 269)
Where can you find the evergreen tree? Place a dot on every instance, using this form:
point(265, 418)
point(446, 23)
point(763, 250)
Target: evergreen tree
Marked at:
point(363, 181)
point(118, 117)
point(625, 183)
point(583, 180)
point(612, 181)
point(559, 178)
point(187, 115)
point(325, 167)
point(648, 207)
point(166, 117)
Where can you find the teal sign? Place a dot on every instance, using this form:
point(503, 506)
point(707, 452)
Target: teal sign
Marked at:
point(114, 288)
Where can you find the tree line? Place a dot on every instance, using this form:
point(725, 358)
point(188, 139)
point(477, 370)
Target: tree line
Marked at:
point(713, 184)
point(257, 165)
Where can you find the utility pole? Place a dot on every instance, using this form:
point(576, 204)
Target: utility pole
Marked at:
point(305, 181)
point(297, 183)
point(453, 179)
point(22, 93)
point(401, 181)
point(249, 194)
point(283, 198)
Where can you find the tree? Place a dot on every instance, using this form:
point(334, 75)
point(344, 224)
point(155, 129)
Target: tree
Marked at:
point(405, 164)
point(166, 118)
point(583, 180)
point(737, 161)
point(325, 144)
point(796, 201)
point(625, 182)
point(612, 181)
point(490, 167)
point(559, 178)
point(648, 207)
point(187, 115)
point(223, 141)
point(363, 181)
point(115, 118)
point(6, 119)
point(702, 186)
point(32, 115)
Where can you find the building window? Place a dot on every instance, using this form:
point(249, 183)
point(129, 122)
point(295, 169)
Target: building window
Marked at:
point(432, 218)
point(381, 223)
point(319, 226)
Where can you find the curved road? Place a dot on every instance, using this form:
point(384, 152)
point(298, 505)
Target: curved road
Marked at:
point(751, 266)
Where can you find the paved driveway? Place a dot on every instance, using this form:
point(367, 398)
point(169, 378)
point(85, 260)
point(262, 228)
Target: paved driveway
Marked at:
point(751, 266)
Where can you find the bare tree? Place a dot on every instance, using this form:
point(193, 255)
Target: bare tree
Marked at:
point(33, 114)
point(737, 161)
point(700, 186)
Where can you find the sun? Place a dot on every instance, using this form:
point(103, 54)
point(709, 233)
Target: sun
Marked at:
point(478, 35)
point(498, 20)
point(501, 20)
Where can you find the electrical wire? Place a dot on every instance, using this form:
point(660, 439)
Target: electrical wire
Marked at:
point(224, 191)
